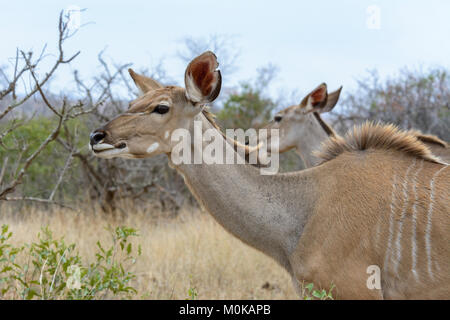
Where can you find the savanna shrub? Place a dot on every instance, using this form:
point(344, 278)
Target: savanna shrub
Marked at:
point(43, 173)
point(54, 269)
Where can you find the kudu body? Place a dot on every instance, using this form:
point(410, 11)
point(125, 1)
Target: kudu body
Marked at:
point(324, 225)
point(302, 128)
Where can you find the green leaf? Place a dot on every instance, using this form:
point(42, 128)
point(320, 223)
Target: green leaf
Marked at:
point(309, 286)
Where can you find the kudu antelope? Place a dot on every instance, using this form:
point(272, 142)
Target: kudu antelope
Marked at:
point(301, 127)
point(379, 197)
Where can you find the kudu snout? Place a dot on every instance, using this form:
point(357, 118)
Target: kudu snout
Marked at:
point(97, 136)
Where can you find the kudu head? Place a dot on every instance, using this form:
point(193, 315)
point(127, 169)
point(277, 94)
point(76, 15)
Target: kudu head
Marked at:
point(145, 129)
point(295, 122)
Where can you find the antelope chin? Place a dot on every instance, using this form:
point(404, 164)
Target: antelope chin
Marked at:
point(108, 151)
point(102, 147)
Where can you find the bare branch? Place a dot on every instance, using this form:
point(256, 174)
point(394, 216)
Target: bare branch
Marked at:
point(53, 135)
point(40, 200)
point(61, 175)
point(223, 45)
point(14, 125)
point(30, 66)
point(38, 86)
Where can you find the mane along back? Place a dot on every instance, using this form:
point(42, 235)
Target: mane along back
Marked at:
point(429, 138)
point(379, 137)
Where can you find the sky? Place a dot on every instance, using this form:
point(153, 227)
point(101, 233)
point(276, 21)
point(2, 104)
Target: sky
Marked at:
point(310, 42)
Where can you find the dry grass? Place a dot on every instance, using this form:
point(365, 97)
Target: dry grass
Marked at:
point(191, 250)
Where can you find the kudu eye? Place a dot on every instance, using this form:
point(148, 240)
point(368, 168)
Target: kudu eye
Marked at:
point(278, 118)
point(161, 109)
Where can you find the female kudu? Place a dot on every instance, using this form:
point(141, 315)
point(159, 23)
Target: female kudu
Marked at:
point(365, 205)
point(302, 128)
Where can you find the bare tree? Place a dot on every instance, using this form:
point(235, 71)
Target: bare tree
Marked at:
point(75, 172)
point(26, 65)
point(224, 46)
point(413, 99)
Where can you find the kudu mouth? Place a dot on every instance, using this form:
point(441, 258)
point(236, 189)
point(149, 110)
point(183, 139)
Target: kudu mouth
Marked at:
point(98, 146)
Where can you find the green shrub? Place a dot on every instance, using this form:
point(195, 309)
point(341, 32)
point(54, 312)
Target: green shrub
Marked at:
point(43, 172)
point(313, 294)
point(242, 108)
point(54, 270)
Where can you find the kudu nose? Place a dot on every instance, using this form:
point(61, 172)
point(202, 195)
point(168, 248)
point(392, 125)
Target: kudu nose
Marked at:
point(96, 137)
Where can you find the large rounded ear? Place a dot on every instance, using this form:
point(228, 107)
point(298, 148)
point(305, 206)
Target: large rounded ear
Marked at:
point(315, 100)
point(202, 79)
point(144, 83)
point(333, 98)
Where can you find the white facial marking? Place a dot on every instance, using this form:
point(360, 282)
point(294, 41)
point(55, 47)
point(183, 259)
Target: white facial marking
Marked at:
point(429, 217)
point(166, 134)
point(102, 146)
point(164, 103)
point(111, 153)
point(402, 217)
point(134, 113)
point(153, 147)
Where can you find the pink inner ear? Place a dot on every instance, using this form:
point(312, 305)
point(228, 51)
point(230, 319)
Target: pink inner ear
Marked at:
point(318, 96)
point(203, 76)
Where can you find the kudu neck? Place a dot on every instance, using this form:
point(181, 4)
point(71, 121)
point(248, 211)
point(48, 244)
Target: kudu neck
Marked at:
point(260, 210)
point(315, 134)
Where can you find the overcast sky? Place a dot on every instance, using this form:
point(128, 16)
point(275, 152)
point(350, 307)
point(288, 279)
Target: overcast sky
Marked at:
point(309, 41)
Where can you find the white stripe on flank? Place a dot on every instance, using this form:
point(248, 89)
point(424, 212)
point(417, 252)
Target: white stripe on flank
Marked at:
point(402, 217)
point(429, 217)
point(391, 225)
point(414, 224)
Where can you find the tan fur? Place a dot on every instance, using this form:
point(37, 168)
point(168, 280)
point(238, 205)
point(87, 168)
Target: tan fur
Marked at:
point(428, 138)
point(352, 228)
point(328, 130)
point(376, 136)
point(301, 126)
point(305, 131)
point(437, 146)
point(369, 204)
point(236, 144)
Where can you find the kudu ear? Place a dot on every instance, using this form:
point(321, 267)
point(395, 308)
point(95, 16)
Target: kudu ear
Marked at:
point(202, 79)
point(145, 84)
point(315, 100)
point(333, 98)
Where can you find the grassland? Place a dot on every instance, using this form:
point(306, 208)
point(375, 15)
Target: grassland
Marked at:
point(188, 251)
